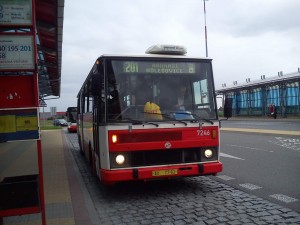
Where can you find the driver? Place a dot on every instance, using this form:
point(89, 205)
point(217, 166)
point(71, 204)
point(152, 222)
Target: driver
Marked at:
point(181, 100)
point(143, 92)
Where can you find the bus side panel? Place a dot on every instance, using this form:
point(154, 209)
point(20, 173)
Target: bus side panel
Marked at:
point(79, 131)
point(87, 134)
point(103, 145)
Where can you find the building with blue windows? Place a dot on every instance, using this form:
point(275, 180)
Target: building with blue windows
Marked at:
point(260, 97)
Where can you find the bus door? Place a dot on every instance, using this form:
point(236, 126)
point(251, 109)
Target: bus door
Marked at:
point(96, 115)
point(80, 105)
point(98, 112)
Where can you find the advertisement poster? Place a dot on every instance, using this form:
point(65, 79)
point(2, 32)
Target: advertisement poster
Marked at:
point(16, 52)
point(19, 124)
point(16, 12)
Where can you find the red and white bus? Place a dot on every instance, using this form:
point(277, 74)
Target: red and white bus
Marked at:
point(151, 116)
point(72, 119)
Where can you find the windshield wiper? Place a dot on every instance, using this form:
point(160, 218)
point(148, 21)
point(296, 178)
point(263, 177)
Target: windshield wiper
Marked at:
point(173, 119)
point(192, 120)
point(136, 122)
point(163, 115)
point(200, 118)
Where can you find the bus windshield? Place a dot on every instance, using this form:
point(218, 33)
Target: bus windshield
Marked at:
point(156, 90)
point(72, 114)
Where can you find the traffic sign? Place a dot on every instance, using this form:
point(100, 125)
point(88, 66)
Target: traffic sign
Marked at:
point(42, 103)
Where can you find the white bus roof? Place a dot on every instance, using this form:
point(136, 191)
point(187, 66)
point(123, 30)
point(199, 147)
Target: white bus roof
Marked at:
point(153, 56)
point(160, 51)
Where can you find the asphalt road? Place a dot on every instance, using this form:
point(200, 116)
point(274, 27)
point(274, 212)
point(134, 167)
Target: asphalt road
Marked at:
point(265, 124)
point(263, 164)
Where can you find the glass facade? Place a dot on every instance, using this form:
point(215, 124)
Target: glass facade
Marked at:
point(253, 101)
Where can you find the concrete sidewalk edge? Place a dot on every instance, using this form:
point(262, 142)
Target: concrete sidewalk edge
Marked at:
point(83, 206)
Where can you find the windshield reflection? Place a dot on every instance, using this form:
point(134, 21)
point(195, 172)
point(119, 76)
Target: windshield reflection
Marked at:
point(159, 95)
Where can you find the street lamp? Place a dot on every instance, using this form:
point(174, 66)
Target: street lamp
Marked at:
point(205, 27)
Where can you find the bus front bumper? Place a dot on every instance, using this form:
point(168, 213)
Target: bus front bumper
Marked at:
point(160, 172)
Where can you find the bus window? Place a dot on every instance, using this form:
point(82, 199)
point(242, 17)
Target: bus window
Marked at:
point(201, 95)
point(72, 114)
point(136, 83)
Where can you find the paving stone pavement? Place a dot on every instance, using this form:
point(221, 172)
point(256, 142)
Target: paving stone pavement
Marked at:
point(196, 200)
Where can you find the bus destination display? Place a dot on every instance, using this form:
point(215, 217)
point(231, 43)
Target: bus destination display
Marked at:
point(158, 67)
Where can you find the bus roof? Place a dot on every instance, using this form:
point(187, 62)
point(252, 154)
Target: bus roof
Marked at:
point(160, 51)
point(152, 56)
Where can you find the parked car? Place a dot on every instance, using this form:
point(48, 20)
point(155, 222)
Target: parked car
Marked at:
point(72, 127)
point(60, 122)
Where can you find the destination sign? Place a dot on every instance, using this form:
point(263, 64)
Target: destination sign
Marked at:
point(16, 52)
point(159, 67)
point(16, 12)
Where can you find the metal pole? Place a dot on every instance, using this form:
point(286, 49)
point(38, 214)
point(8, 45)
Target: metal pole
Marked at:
point(41, 181)
point(205, 29)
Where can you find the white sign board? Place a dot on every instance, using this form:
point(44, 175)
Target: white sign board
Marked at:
point(15, 12)
point(16, 52)
point(53, 111)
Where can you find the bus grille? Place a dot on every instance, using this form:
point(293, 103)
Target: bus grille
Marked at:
point(163, 157)
point(146, 137)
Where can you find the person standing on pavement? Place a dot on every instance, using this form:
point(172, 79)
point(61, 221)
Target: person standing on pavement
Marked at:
point(273, 112)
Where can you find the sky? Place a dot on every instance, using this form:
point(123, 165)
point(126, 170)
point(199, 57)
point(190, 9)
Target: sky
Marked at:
point(245, 39)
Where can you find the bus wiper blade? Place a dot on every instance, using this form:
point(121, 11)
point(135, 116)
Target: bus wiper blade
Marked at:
point(200, 118)
point(155, 124)
point(172, 119)
point(181, 121)
point(165, 116)
point(136, 122)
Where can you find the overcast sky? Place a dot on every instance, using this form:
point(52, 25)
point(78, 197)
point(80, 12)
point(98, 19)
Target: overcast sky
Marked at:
point(246, 39)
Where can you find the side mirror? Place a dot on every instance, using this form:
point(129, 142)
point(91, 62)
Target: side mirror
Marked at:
point(228, 108)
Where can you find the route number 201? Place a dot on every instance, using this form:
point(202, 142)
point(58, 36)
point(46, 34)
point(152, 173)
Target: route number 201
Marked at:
point(131, 67)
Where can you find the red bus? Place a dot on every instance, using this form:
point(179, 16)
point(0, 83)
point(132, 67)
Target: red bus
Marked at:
point(151, 116)
point(71, 114)
point(72, 119)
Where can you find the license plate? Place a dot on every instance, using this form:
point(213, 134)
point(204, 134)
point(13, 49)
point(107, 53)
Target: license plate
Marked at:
point(158, 173)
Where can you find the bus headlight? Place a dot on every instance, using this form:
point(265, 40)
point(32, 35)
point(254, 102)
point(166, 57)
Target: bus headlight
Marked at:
point(120, 159)
point(208, 153)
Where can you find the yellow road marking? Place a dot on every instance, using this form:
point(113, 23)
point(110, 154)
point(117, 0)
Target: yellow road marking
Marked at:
point(284, 132)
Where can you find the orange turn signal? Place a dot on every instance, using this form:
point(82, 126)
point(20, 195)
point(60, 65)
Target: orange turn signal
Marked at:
point(214, 134)
point(114, 138)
